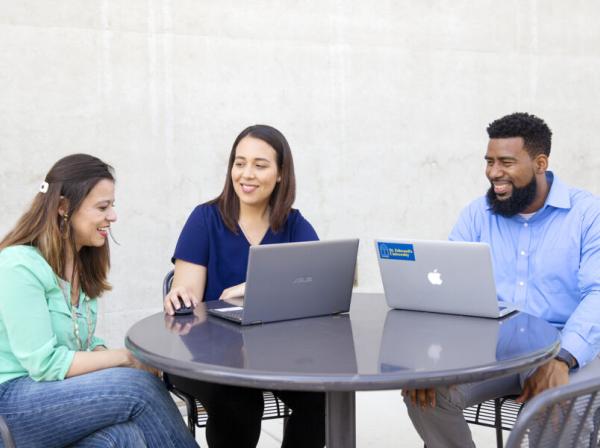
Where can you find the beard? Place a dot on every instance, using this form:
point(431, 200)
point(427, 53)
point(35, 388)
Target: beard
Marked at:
point(519, 200)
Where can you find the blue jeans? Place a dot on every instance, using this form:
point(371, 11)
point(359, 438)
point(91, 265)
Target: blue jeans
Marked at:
point(118, 407)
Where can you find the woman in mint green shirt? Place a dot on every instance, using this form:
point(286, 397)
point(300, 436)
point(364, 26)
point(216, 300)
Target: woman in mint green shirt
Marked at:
point(59, 384)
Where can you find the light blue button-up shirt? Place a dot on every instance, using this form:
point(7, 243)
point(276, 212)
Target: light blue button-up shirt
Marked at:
point(549, 265)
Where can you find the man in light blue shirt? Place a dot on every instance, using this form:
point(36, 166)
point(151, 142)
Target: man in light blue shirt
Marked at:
point(545, 243)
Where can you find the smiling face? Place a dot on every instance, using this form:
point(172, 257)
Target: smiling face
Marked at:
point(91, 222)
point(508, 166)
point(254, 173)
point(514, 176)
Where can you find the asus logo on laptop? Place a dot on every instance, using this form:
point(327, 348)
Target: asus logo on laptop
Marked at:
point(302, 280)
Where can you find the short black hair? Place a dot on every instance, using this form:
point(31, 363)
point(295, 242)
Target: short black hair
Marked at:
point(537, 136)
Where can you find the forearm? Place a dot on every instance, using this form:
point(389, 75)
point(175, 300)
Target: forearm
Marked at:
point(190, 276)
point(86, 362)
point(581, 333)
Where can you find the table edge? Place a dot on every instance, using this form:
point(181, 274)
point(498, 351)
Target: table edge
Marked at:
point(333, 382)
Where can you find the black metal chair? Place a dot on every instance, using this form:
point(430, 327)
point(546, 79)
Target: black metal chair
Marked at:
point(196, 414)
point(7, 437)
point(564, 417)
point(500, 414)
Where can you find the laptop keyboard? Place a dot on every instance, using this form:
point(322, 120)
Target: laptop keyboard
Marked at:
point(235, 314)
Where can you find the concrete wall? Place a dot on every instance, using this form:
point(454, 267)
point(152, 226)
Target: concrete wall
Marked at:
point(384, 103)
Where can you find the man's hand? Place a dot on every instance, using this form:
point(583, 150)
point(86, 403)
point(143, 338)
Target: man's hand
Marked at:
point(421, 397)
point(552, 374)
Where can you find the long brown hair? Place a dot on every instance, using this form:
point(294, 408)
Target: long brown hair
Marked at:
point(70, 180)
point(283, 195)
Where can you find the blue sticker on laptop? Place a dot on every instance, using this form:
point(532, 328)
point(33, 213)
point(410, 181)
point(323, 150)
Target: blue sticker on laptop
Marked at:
point(396, 251)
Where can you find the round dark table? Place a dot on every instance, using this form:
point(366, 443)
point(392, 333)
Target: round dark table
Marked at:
point(371, 348)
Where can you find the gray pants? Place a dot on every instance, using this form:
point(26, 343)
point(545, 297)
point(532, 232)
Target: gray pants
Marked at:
point(444, 426)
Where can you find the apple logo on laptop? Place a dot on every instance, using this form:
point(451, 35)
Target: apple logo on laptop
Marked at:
point(435, 277)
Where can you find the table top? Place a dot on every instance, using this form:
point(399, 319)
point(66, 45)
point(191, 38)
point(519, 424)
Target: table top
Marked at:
point(372, 347)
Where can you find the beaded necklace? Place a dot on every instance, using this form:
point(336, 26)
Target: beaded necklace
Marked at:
point(88, 319)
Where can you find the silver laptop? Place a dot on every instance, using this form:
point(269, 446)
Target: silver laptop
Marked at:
point(295, 280)
point(439, 276)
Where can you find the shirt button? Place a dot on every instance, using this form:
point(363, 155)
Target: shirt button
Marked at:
point(525, 224)
point(521, 283)
point(523, 252)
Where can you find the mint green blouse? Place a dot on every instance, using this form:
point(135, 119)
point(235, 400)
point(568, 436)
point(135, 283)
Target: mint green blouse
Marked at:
point(36, 328)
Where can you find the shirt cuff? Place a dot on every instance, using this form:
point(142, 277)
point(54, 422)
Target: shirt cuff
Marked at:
point(67, 364)
point(96, 341)
point(578, 347)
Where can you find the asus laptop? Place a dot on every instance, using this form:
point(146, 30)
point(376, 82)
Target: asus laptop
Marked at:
point(295, 280)
point(439, 276)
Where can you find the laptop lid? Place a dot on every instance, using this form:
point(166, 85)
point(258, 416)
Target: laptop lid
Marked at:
point(439, 276)
point(295, 280)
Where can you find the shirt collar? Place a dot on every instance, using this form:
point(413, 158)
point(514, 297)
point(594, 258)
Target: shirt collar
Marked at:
point(558, 196)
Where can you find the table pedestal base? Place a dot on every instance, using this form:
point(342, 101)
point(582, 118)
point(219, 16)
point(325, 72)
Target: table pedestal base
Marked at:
point(340, 419)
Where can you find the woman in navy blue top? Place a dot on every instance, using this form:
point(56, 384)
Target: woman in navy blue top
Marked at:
point(211, 258)
point(206, 241)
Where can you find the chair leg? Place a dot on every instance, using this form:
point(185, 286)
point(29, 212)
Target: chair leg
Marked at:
point(192, 426)
point(190, 405)
point(498, 422)
point(192, 413)
point(286, 416)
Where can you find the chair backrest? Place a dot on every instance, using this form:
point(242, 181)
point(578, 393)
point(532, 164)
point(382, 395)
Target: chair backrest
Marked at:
point(7, 438)
point(167, 282)
point(563, 417)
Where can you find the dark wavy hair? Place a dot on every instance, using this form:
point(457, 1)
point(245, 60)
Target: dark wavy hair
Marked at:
point(283, 195)
point(70, 179)
point(537, 136)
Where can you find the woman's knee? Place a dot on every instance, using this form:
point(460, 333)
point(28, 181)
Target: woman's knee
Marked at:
point(135, 383)
point(115, 436)
point(218, 399)
point(238, 405)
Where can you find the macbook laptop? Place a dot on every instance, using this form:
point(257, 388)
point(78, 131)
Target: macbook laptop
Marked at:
point(440, 276)
point(295, 280)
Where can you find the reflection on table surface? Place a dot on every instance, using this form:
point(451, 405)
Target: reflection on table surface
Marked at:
point(323, 344)
point(371, 344)
point(446, 342)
